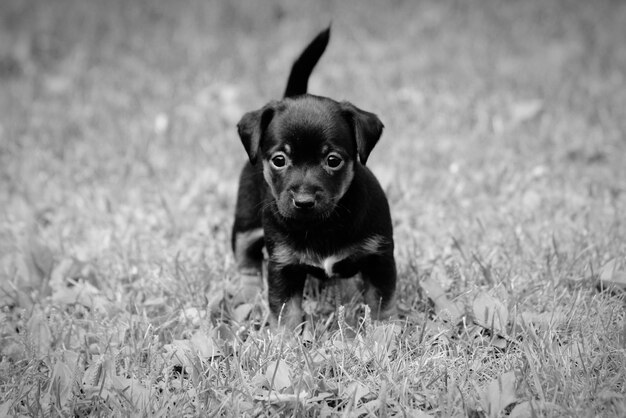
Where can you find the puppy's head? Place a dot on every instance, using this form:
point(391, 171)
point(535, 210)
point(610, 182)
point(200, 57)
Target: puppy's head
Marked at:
point(308, 146)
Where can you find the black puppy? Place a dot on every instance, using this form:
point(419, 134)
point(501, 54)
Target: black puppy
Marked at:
point(306, 195)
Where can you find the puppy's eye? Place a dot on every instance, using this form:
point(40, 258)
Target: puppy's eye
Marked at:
point(334, 161)
point(279, 160)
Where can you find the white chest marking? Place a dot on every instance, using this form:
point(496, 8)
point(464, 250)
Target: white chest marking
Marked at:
point(285, 255)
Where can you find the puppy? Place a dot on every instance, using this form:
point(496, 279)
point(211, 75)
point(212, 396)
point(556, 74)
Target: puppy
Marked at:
point(307, 197)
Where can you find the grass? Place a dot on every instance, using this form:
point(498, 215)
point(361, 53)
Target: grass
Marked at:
point(502, 159)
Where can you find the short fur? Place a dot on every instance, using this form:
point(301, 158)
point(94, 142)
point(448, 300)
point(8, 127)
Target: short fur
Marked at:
point(308, 198)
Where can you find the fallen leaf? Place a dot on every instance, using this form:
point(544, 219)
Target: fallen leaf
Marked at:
point(499, 394)
point(192, 315)
point(183, 360)
point(499, 342)
point(134, 391)
point(444, 308)
point(368, 408)
point(532, 409)
point(358, 390)
point(274, 397)
point(204, 346)
point(608, 270)
point(524, 111)
point(155, 301)
point(38, 259)
point(363, 351)
point(40, 336)
point(277, 373)
point(490, 313)
point(12, 349)
point(225, 332)
point(544, 319)
point(63, 379)
point(259, 381)
point(15, 289)
point(241, 312)
point(307, 335)
point(84, 294)
point(214, 303)
point(611, 278)
point(101, 379)
point(416, 413)
point(319, 397)
point(94, 372)
point(181, 353)
point(382, 340)
point(5, 407)
point(320, 356)
point(61, 273)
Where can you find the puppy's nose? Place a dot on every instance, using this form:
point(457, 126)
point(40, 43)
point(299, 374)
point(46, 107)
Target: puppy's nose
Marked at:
point(304, 201)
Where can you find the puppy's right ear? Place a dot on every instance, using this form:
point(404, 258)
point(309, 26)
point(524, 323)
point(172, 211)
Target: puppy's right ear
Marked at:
point(252, 127)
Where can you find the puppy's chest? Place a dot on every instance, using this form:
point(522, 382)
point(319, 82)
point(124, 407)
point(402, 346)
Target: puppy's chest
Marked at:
point(340, 262)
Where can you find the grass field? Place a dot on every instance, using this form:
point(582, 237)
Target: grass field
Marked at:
point(503, 159)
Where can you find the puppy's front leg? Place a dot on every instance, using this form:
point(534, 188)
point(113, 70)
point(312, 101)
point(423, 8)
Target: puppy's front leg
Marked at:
point(285, 287)
point(379, 275)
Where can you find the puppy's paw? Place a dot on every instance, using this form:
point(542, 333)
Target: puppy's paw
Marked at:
point(291, 319)
point(388, 314)
point(380, 311)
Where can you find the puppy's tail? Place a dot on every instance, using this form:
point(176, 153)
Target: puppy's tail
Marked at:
point(303, 67)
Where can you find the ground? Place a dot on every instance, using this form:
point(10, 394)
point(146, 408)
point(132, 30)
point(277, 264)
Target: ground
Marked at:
point(502, 158)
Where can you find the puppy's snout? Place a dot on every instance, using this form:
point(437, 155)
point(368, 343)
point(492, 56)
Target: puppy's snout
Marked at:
point(304, 201)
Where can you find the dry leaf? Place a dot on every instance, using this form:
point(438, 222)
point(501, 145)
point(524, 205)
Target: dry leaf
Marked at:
point(134, 391)
point(383, 340)
point(40, 337)
point(94, 373)
point(241, 312)
point(39, 259)
point(307, 335)
point(12, 349)
point(180, 353)
point(490, 313)
point(84, 294)
point(416, 413)
point(277, 373)
point(63, 379)
point(611, 278)
point(319, 356)
point(319, 398)
point(274, 397)
point(544, 319)
point(358, 390)
point(193, 315)
point(532, 409)
point(5, 407)
point(361, 349)
point(61, 273)
point(499, 394)
point(444, 308)
point(101, 379)
point(608, 270)
point(204, 346)
point(369, 408)
point(526, 110)
point(259, 381)
point(225, 332)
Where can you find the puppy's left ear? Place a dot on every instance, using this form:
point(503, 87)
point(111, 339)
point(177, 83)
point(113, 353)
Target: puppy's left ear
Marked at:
point(366, 126)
